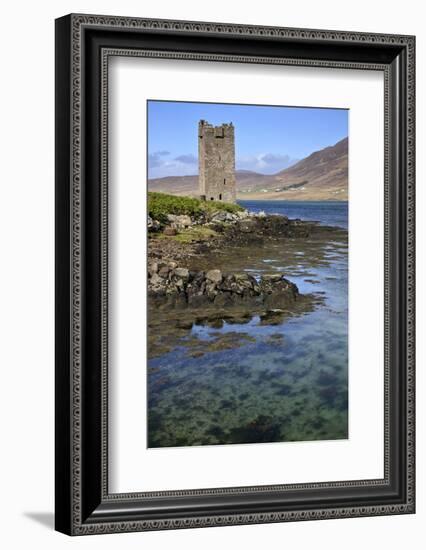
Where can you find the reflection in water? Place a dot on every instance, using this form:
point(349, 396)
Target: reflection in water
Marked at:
point(270, 377)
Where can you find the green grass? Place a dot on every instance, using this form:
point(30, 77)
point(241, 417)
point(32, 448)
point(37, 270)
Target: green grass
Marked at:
point(197, 233)
point(161, 204)
point(188, 235)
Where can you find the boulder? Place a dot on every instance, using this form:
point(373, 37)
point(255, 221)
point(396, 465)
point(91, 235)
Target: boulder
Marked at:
point(242, 215)
point(214, 275)
point(152, 268)
point(219, 216)
point(231, 217)
point(274, 278)
point(170, 231)
point(177, 287)
point(181, 272)
point(247, 226)
point(164, 271)
point(228, 284)
point(155, 280)
point(223, 216)
point(241, 277)
point(153, 225)
point(180, 284)
point(181, 221)
point(184, 220)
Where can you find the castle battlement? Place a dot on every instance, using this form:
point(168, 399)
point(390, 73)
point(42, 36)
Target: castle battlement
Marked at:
point(216, 160)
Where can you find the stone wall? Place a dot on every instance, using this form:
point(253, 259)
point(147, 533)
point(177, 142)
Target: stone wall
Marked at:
point(216, 159)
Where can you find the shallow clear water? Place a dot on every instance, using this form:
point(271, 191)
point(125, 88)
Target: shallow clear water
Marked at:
point(267, 378)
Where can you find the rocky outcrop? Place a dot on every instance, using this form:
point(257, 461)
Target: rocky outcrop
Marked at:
point(184, 221)
point(170, 286)
point(180, 222)
point(261, 226)
point(240, 228)
point(183, 274)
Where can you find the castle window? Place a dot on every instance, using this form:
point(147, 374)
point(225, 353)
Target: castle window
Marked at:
point(224, 181)
point(220, 196)
point(212, 198)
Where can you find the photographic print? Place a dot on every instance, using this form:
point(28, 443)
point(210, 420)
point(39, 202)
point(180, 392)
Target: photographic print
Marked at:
point(247, 274)
point(204, 202)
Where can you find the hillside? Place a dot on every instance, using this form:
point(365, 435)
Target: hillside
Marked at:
point(323, 175)
point(247, 181)
point(176, 185)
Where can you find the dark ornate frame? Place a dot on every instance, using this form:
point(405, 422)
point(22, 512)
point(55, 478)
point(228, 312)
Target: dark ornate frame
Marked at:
point(83, 45)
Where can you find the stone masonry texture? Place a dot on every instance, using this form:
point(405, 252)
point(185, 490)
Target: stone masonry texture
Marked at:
point(216, 159)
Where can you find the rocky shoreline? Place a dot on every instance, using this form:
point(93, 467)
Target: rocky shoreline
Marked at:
point(224, 229)
point(174, 283)
point(170, 286)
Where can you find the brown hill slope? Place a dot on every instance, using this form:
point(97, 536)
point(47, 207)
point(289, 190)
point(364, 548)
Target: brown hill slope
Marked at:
point(247, 181)
point(323, 175)
point(175, 185)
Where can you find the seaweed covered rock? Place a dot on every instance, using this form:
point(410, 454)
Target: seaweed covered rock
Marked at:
point(170, 286)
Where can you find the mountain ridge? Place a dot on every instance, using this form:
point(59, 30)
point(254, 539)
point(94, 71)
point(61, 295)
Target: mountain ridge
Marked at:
point(322, 175)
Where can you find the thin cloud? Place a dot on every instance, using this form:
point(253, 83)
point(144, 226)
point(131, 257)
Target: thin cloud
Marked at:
point(160, 165)
point(156, 159)
point(187, 159)
point(265, 163)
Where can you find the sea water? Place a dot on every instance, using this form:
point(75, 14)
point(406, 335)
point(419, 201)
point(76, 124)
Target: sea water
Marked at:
point(279, 380)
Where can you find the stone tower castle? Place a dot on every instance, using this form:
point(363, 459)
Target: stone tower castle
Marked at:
point(216, 160)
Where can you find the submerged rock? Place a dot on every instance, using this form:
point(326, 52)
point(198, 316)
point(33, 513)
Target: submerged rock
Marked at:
point(220, 342)
point(262, 429)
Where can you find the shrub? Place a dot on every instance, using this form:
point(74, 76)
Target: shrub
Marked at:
point(218, 205)
point(161, 204)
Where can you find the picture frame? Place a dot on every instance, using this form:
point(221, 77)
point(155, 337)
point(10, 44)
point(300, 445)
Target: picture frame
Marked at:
point(84, 505)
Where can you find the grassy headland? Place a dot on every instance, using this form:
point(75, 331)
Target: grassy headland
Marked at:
point(162, 204)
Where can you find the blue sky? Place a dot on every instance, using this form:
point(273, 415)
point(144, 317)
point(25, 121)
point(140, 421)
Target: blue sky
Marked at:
point(267, 139)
